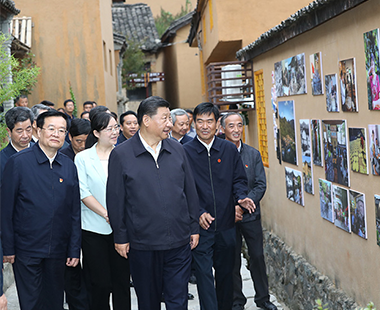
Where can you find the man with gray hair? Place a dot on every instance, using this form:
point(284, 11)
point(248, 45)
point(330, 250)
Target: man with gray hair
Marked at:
point(180, 121)
point(249, 224)
point(19, 127)
point(37, 110)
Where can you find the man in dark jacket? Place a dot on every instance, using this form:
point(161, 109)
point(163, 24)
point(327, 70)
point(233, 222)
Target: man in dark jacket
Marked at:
point(180, 128)
point(153, 208)
point(249, 225)
point(221, 184)
point(40, 216)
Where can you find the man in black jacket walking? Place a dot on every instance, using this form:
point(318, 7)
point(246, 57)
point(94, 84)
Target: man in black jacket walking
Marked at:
point(249, 225)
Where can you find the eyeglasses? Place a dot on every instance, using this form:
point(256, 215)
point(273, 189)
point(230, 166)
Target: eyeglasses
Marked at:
point(52, 130)
point(112, 129)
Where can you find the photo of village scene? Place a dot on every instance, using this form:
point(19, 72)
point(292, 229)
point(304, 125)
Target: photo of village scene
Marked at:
point(287, 132)
point(307, 169)
point(291, 80)
point(374, 148)
point(335, 148)
point(332, 99)
point(377, 213)
point(325, 200)
point(316, 141)
point(358, 214)
point(316, 74)
point(358, 150)
point(294, 188)
point(347, 81)
point(341, 208)
point(372, 65)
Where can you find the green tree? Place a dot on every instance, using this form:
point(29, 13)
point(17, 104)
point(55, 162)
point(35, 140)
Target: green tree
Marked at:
point(24, 76)
point(164, 20)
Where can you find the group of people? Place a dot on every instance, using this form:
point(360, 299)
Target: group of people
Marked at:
point(153, 198)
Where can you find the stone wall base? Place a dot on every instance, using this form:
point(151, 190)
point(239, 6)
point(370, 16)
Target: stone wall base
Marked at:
point(297, 283)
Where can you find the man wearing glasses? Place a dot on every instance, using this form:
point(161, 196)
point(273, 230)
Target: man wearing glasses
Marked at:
point(40, 215)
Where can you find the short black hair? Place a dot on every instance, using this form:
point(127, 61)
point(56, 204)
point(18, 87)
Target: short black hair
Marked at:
point(114, 116)
point(79, 127)
point(83, 113)
point(88, 103)
point(99, 122)
point(125, 114)
point(149, 106)
point(66, 101)
point(47, 103)
point(50, 113)
point(189, 111)
point(206, 108)
point(97, 109)
point(19, 97)
point(18, 114)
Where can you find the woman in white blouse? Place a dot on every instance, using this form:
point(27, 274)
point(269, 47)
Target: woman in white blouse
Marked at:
point(105, 270)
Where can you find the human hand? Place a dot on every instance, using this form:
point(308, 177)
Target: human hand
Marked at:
point(72, 262)
point(205, 220)
point(238, 213)
point(194, 239)
point(122, 249)
point(9, 259)
point(105, 215)
point(248, 204)
point(3, 302)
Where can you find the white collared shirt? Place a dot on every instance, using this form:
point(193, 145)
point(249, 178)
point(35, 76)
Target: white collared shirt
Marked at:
point(16, 148)
point(207, 146)
point(150, 150)
point(239, 147)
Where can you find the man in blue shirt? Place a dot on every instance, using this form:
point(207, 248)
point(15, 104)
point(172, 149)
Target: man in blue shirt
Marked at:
point(221, 184)
point(40, 215)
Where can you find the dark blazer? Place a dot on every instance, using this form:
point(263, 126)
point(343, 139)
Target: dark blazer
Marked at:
point(121, 138)
point(69, 152)
point(154, 206)
point(40, 213)
point(220, 179)
point(257, 182)
point(5, 154)
point(184, 140)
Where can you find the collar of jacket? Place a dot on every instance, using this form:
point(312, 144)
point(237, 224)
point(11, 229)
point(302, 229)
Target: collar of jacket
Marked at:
point(199, 147)
point(138, 147)
point(41, 157)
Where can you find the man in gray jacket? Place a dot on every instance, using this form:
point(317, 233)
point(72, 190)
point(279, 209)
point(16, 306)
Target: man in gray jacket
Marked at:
point(249, 224)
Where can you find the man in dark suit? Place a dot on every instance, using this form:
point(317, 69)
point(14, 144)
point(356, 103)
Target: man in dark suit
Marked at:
point(19, 122)
point(249, 225)
point(153, 208)
point(180, 126)
point(40, 215)
point(129, 126)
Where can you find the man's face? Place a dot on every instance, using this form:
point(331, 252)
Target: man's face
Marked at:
point(160, 124)
point(205, 126)
point(21, 134)
point(181, 126)
point(78, 143)
point(22, 102)
point(234, 128)
point(69, 107)
point(129, 126)
point(52, 134)
point(86, 116)
point(87, 107)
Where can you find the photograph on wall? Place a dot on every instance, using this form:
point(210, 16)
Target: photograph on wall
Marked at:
point(294, 185)
point(288, 131)
point(372, 65)
point(293, 74)
point(335, 149)
point(325, 200)
point(377, 214)
point(358, 150)
point(316, 74)
point(332, 98)
point(347, 82)
point(358, 214)
point(374, 149)
point(307, 169)
point(278, 78)
point(341, 208)
point(316, 141)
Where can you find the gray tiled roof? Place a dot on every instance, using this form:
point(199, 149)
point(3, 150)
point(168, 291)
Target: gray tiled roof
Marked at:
point(10, 6)
point(136, 22)
point(176, 25)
